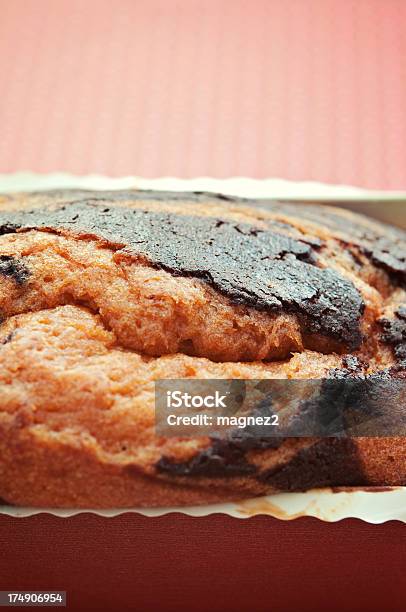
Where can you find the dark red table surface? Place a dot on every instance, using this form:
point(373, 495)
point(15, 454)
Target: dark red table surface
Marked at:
point(298, 89)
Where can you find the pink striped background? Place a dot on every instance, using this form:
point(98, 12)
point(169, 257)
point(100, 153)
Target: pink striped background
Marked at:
point(299, 89)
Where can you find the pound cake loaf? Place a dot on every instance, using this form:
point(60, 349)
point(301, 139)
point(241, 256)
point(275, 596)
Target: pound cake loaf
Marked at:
point(103, 293)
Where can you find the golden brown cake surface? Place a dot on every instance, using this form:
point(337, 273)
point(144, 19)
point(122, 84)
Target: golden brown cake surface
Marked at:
point(103, 293)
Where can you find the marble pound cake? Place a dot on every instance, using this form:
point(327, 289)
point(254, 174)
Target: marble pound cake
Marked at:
point(102, 293)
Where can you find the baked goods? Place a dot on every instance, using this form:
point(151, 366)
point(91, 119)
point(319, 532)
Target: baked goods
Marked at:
point(102, 293)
